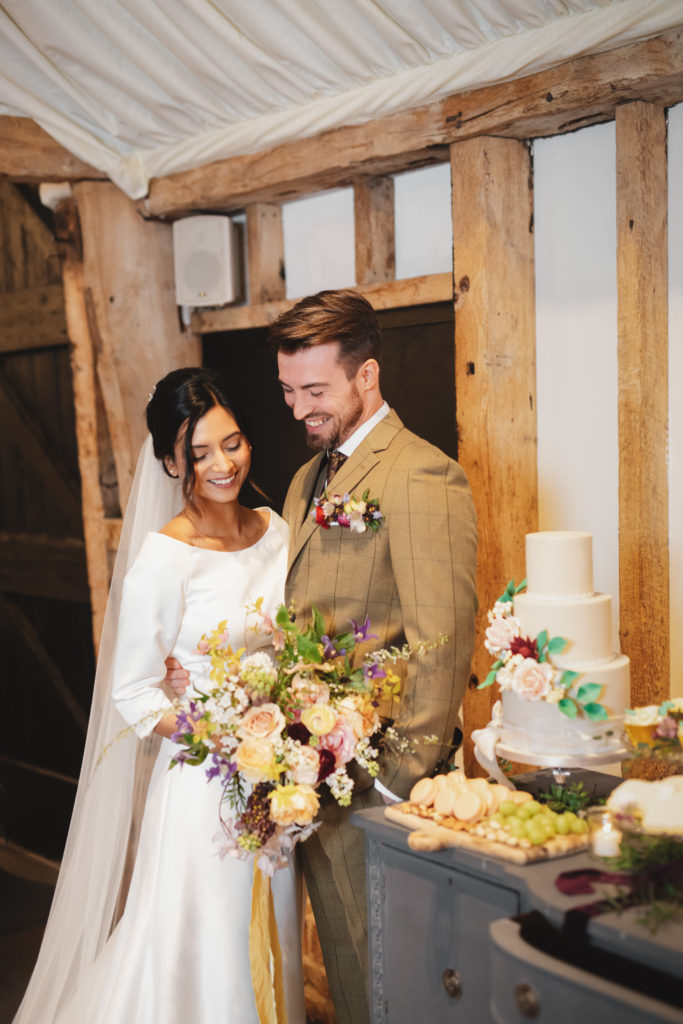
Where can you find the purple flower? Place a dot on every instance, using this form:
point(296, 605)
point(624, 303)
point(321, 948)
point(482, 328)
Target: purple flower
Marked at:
point(667, 729)
point(374, 671)
point(329, 650)
point(360, 633)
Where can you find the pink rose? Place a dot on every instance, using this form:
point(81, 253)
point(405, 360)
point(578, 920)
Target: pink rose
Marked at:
point(501, 633)
point(532, 680)
point(306, 767)
point(341, 742)
point(264, 722)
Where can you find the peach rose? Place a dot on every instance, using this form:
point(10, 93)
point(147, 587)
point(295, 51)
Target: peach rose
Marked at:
point(256, 760)
point(341, 742)
point(292, 804)
point(501, 633)
point(308, 691)
point(532, 680)
point(264, 721)
point(319, 719)
point(307, 766)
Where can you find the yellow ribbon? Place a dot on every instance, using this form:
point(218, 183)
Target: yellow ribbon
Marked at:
point(265, 954)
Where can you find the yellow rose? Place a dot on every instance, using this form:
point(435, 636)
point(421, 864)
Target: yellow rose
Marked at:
point(319, 719)
point(256, 760)
point(293, 805)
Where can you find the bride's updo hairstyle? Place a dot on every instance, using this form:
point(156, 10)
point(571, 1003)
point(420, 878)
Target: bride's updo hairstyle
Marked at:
point(183, 397)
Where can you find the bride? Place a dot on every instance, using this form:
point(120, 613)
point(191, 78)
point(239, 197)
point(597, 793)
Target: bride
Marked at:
point(176, 947)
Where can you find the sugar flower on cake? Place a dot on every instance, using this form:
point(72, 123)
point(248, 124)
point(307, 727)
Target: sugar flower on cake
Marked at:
point(276, 727)
point(524, 665)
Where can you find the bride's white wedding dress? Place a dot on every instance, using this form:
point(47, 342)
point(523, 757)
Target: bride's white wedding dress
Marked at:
point(180, 952)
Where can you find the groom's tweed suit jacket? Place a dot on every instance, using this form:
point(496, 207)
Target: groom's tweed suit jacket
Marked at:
point(414, 577)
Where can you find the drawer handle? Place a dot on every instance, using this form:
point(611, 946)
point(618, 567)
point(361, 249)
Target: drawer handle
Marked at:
point(527, 1000)
point(452, 984)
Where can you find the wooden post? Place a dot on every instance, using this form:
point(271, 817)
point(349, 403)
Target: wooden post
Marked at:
point(495, 370)
point(128, 276)
point(643, 397)
point(265, 253)
point(83, 375)
point(373, 205)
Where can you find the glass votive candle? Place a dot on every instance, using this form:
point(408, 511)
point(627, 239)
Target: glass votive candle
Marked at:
point(604, 836)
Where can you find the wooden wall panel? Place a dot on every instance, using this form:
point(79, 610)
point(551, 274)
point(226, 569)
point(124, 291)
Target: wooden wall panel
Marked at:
point(265, 253)
point(373, 204)
point(495, 376)
point(642, 256)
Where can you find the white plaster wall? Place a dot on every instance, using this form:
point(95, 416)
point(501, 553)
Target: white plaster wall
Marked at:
point(576, 342)
point(675, 404)
point(424, 229)
point(319, 233)
point(319, 243)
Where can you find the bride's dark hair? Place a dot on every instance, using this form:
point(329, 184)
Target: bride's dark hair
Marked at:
point(183, 397)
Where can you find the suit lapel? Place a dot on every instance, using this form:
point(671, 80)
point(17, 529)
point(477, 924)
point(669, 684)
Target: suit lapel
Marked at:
point(347, 479)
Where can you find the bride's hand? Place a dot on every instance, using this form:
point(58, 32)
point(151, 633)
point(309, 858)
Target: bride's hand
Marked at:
point(177, 678)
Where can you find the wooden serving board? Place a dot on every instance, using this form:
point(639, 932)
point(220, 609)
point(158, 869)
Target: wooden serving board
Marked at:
point(428, 835)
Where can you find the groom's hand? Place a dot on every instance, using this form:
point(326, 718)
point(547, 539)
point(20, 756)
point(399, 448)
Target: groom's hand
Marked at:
point(177, 678)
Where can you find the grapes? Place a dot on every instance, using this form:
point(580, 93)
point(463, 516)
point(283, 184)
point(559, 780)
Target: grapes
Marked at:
point(534, 823)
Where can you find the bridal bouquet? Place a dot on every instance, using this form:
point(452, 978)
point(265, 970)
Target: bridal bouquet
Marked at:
point(274, 730)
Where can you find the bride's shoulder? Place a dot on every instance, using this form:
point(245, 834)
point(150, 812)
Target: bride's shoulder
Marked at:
point(179, 528)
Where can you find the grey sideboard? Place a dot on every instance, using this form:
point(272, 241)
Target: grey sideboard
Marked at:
point(444, 948)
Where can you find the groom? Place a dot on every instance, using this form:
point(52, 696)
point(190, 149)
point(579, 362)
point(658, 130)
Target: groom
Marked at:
point(414, 578)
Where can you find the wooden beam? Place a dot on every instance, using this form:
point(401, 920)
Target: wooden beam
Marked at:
point(28, 153)
point(33, 318)
point(85, 403)
point(495, 371)
point(265, 253)
point(574, 94)
point(49, 672)
point(410, 291)
point(17, 423)
point(373, 205)
point(130, 288)
point(643, 397)
point(41, 566)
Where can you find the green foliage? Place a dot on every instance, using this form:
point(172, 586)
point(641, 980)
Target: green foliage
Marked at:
point(568, 707)
point(574, 797)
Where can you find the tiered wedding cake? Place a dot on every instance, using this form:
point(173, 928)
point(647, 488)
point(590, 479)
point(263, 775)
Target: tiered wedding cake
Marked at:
point(564, 691)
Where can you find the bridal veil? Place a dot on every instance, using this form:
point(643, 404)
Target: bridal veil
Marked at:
point(100, 847)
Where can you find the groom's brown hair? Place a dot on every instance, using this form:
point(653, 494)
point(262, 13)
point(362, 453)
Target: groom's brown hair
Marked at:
point(343, 316)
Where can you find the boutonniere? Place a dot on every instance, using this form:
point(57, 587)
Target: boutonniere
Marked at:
point(347, 511)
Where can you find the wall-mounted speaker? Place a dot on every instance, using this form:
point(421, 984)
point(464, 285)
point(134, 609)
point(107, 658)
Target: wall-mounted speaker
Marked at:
point(204, 258)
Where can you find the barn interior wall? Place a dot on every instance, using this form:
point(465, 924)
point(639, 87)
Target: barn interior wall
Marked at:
point(576, 325)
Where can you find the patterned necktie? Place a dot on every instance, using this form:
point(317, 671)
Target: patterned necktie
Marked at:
point(335, 459)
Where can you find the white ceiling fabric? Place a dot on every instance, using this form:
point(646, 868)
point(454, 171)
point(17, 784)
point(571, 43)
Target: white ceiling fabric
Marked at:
point(144, 88)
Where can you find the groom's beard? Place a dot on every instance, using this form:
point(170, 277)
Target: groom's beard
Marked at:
point(339, 427)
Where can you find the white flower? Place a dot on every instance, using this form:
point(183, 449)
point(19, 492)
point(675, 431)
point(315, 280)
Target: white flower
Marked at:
point(500, 634)
point(259, 662)
point(356, 522)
